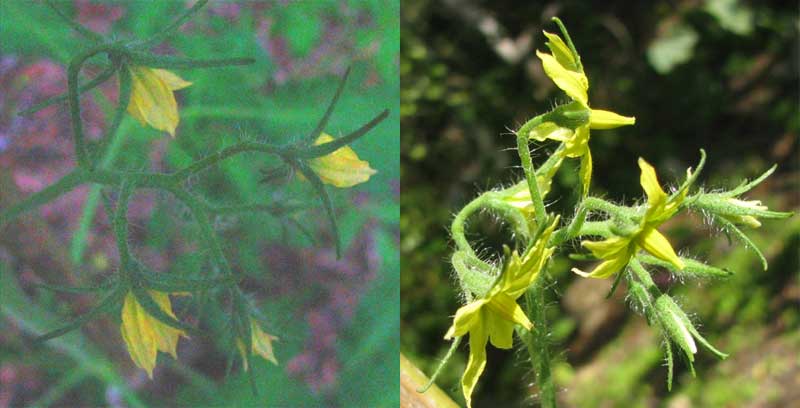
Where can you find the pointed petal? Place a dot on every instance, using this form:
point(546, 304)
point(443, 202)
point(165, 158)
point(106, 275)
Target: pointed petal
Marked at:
point(575, 84)
point(655, 195)
point(500, 332)
point(172, 81)
point(507, 308)
point(603, 119)
point(561, 51)
point(342, 168)
point(262, 343)
point(138, 335)
point(586, 171)
point(152, 101)
point(606, 268)
point(476, 363)
point(607, 248)
point(166, 336)
point(578, 144)
point(658, 245)
point(549, 130)
point(466, 317)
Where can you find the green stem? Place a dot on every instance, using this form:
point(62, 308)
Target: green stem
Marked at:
point(537, 341)
point(530, 175)
point(49, 193)
point(74, 102)
point(213, 159)
point(102, 77)
point(457, 230)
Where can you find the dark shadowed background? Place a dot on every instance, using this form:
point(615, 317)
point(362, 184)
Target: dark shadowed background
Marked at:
point(720, 75)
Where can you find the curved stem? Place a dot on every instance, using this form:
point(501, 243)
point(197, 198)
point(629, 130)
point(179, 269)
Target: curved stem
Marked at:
point(49, 193)
point(457, 230)
point(530, 175)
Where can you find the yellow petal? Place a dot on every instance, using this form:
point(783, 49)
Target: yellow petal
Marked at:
point(507, 308)
point(476, 363)
point(603, 119)
point(137, 332)
point(172, 81)
point(500, 333)
point(342, 168)
point(549, 130)
point(466, 317)
point(575, 84)
point(658, 245)
point(262, 343)
point(608, 248)
point(561, 51)
point(578, 144)
point(606, 268)
point(586, 172)
point(655, 195)
point(166, 336)
point(152, 101)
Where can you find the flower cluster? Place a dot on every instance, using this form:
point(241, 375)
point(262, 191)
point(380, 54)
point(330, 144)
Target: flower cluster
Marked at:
point(622, 238)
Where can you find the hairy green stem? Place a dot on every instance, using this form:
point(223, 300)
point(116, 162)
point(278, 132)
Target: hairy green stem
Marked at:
point(536, 341)
point(102, 77)
point(527, 165)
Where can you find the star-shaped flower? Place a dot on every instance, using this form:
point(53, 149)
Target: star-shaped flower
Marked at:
point(616, 252)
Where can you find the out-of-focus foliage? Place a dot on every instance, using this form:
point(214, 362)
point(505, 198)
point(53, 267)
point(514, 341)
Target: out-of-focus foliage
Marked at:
point(719, 75)
point(336, 320)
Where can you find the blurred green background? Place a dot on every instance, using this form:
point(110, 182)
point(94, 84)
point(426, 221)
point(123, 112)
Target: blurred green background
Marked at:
point(337, 320)
point(718, 74)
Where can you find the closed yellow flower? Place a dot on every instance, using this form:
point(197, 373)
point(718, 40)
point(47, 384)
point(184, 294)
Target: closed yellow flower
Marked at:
point(342, 168)
point(145, 335)
point(152, 100)
point(262, 345)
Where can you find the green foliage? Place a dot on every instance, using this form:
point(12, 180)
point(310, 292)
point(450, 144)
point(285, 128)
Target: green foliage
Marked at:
point(229, 114)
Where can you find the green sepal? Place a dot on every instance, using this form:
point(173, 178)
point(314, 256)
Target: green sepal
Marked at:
point(691, 177)
point(717, 204)
point(442, 364)
point(731, 227)
point(112, 300)
point(746, 186)
point(693, 267)
point(677, 331)
point(326, 202)
point(171, 62)
point(569, 42)
point(617, 279)
point(77, 289)
point(309, 140)
point(332, 146)
point(475, 275)
point(670, 363)
point(153, 309)
point(102, 77)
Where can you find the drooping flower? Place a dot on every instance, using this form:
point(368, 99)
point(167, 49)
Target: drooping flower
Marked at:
point(262, 345)
point(563, 66)
point(342, 168)
point(492, 317)
point(145, 335)
point(152, 100)
point(616, 252)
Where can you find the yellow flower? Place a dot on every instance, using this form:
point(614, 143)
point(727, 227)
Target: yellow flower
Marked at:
point(262, 345)
point(492, 318)
point(152, 100)
point(617, 251)
point(564, 68)
point(145, 335)
point(342, 168)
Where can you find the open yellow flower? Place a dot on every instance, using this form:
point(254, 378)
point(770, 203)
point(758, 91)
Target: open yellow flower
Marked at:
point(145, 335)
point(262, 345)
point(152, 100)
point(616, 252)
point(563, 66)
point(492, 318)
point(342, 168)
